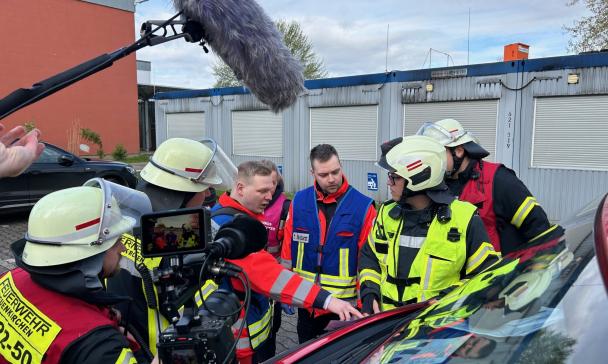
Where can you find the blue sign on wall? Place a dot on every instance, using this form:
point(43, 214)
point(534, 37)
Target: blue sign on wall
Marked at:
point(372, 181)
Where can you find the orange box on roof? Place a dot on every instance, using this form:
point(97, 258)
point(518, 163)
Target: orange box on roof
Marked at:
point(516, 51)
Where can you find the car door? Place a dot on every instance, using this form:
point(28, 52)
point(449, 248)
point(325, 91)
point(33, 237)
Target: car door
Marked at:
point(56, 169)
point(14, 192)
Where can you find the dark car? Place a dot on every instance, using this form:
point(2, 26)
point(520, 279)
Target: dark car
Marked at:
point(547, 304)
point(57, 169)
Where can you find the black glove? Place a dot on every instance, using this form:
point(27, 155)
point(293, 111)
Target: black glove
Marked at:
point(367, 303)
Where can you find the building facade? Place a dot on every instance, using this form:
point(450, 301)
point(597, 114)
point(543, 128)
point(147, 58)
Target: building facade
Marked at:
point(44, 37)
point(545, 118)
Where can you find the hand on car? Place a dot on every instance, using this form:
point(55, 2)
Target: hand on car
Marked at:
point(343, 309)
point(18, 150)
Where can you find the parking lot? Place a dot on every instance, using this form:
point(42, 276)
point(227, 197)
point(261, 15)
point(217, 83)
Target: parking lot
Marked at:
point(13, 226)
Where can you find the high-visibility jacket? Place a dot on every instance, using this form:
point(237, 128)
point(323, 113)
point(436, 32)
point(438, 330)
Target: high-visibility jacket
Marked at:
point(334, 264)
point(269, 280)
point(37, 325)
point(147, 320)
point(440, 259)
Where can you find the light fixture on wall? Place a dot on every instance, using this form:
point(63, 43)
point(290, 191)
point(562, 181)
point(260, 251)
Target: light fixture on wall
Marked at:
point(429, 87)
point(573, 78)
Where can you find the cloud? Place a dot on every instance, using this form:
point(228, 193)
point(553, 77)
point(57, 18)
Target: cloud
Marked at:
point(350, 37)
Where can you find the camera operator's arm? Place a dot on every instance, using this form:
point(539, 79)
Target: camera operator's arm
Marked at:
point(271, 279)
point(102, 346)
point(18, 150)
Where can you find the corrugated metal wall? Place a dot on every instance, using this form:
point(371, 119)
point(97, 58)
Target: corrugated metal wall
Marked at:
point(560, 191)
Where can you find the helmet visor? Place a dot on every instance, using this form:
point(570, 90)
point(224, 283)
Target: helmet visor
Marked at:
point(218, 171)
point(441, 134)
point(120, 212)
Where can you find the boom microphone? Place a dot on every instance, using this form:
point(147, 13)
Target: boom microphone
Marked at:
point(247, 40)
point(239, 238)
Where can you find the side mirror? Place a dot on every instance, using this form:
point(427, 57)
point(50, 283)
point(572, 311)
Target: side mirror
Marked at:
point(65, 160)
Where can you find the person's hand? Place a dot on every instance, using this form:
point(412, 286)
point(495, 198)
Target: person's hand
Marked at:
point(370, 304)
point(287, 309)
point(343, 309)
point(18, 150)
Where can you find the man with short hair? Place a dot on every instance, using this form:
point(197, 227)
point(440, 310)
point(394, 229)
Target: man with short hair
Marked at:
point(251, 195)
point(73, 242)
point(512, 216)
point(327, 225)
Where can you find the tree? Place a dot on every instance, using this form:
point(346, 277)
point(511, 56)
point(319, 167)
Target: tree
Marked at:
point(591, 32)
point(295, 40)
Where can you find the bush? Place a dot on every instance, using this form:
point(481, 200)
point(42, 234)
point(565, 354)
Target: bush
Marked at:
point(93, 137)
point(119, 153)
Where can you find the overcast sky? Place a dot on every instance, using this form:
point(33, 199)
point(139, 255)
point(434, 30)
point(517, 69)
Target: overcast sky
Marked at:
point(350, 36)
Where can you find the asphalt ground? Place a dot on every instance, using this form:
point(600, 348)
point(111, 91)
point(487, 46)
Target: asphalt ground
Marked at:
point(14, 225)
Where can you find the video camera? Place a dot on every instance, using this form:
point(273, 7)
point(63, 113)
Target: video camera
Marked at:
point(198, 333)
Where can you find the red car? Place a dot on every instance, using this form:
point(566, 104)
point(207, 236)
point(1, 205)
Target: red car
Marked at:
point(546, 305)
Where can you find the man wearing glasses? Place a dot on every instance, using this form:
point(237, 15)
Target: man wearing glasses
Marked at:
point(423, 240)
point(511, 215)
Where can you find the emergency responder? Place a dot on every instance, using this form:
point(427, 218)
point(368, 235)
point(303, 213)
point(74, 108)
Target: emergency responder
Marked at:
point(275, 215)
point(326, 226)
point(55, 308)
point(177, 176)
point(423, 240)
point(511, 215)
point(251, 194)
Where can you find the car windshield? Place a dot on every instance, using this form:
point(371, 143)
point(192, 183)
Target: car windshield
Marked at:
point(524, 309)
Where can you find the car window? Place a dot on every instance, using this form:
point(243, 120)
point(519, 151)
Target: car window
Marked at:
point(524, 309)
point(49, 155)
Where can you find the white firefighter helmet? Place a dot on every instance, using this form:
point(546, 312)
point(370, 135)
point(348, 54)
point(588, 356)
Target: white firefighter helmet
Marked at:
point(451, 133)
point(419, 159)
point(187, 165)
point(77, 223)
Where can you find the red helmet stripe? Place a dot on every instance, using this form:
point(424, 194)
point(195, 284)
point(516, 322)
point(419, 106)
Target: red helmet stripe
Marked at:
point(414, 165)
point(194, 170)
point(88, 223)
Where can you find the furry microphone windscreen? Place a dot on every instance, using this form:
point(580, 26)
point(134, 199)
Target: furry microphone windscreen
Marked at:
point(247, 40)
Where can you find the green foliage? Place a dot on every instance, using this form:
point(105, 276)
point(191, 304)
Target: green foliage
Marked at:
point(547, 347)
point(119, 153)
point(91, 136)
point(29, 126)
point(590, 33)
point(140, 158)
point(298, 44)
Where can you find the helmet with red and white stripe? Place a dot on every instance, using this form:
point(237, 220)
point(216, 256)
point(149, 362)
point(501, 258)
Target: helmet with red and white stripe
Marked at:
point(421, 160)
point(187, 165)
point(76, 223)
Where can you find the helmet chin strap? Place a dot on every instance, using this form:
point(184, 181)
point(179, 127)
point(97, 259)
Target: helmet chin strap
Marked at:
point(457, 162)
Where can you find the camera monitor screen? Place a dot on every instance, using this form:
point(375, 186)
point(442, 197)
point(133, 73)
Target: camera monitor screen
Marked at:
point(175, 232)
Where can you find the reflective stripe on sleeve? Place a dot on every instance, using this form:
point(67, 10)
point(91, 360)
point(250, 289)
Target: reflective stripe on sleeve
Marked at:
point(300, 256)
point(279, 284)
point(543, 234)
point(302, 292)
point(286, 263)
point(475, 260)
point(126, 357)
point(369, 275)
point(427, 277)
point(523, 211)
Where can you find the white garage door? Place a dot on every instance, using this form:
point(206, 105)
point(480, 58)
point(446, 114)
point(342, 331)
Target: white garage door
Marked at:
point(189, 125)
point(571, 132)
point(352, 130)
point(478, 117)
point(257, 133)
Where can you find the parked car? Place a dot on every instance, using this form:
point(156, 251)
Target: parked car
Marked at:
point(57, 169)
point(546, 305)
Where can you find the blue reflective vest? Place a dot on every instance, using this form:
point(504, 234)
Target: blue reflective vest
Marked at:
point(334, 264)
point(259, 316)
